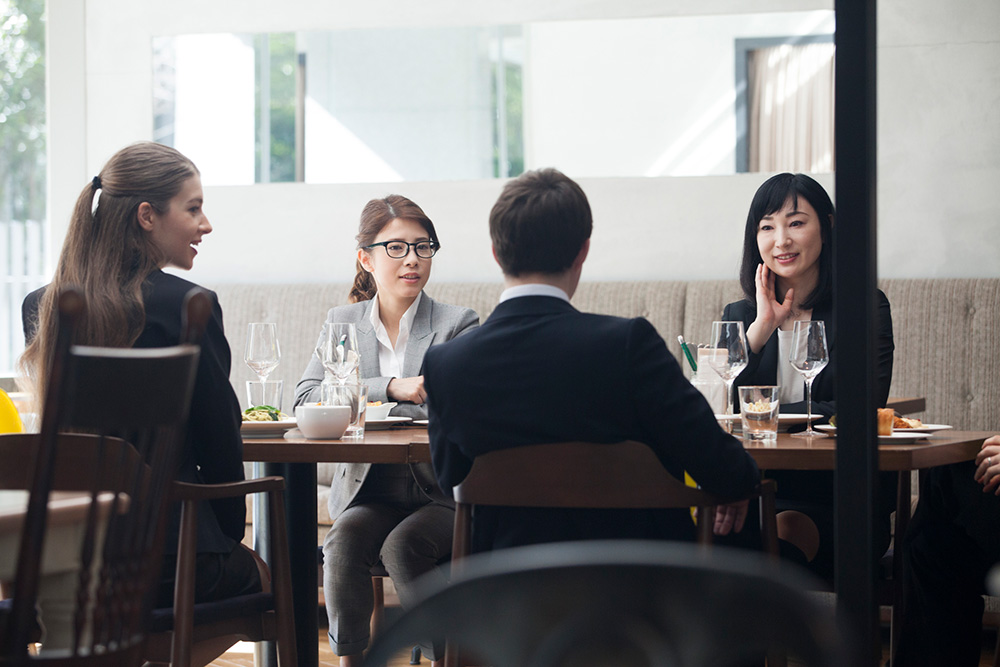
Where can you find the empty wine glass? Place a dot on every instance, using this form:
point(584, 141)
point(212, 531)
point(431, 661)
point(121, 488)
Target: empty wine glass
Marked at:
point(809, 355)
point(730, 355)
point(338, 349)
point(262, 353)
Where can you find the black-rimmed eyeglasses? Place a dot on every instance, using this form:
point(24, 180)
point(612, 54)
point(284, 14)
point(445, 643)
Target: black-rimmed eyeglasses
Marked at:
point(400, 249)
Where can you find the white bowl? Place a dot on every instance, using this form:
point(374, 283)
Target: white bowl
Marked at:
point(323, 422)
point(378, 412)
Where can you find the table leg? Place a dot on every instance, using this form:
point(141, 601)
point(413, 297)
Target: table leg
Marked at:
point(301, 520)
point(899, 531)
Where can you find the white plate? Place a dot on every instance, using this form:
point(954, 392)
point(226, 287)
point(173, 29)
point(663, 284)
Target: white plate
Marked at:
point(266, 429)
point(388, 422)
point(421, 422)
point(794, 419)
point(926, 428)
point(723, 418)
point(897, 438)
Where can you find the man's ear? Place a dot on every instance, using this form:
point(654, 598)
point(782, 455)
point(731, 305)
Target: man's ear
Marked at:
point(581, 256)
point(145, 215)
point(493, 250)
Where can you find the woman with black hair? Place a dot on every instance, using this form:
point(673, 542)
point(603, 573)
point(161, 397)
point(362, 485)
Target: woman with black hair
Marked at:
point(787, 275)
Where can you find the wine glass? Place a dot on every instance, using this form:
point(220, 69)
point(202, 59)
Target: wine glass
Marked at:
point(262, 353)
point(809, 356)
point(730, 356)
point(338, 349)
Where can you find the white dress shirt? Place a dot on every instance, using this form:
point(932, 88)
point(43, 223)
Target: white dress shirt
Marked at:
point(390, 358)
point(533, 289)
point(791, 382)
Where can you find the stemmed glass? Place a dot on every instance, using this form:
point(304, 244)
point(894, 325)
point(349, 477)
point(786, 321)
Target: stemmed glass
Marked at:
point(262, 353)
point(809, 355)
point(338, 349)
point(730, 356)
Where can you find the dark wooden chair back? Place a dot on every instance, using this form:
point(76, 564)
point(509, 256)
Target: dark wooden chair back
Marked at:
point(127, 410)
point(625, 475)
point(625, 603)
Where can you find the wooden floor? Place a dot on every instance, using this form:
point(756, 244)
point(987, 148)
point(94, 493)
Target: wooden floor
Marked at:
point(242, 654)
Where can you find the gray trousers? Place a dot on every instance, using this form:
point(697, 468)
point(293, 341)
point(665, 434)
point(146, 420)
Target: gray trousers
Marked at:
point(390, 520)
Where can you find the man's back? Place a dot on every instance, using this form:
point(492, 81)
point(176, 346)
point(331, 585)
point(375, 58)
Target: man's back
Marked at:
point(539, 371)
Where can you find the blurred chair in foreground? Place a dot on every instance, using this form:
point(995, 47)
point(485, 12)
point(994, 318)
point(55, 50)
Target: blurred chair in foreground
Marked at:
point(622, 603)
point(130, 407)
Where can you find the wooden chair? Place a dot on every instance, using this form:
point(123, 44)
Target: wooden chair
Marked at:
point(130, 408)
point(185, 631)
point(587, 475)
point(624, 475)
point(623, 603)
point(188, 630)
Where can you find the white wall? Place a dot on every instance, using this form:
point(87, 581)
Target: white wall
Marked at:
point(939, 142)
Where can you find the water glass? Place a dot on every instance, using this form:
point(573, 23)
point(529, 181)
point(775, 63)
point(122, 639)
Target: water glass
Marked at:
point(354, 395)
point(265, 393)
point(759, 413)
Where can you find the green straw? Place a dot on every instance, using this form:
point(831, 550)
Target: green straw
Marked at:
point(687, 353)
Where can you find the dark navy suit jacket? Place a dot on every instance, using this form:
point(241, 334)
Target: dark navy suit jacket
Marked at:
point(540, 371)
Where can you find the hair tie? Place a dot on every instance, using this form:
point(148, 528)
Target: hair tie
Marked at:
point(96, 185)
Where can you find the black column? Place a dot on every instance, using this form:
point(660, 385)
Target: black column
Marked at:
point(855, 277)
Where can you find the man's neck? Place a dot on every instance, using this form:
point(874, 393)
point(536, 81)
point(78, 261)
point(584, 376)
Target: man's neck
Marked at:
point(566, 281)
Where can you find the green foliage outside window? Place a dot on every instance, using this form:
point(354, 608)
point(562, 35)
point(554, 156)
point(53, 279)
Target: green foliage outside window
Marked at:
point(22, 110)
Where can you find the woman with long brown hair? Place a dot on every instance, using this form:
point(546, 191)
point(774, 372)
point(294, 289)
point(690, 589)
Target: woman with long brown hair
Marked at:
point(393, 513)
point(141, 213)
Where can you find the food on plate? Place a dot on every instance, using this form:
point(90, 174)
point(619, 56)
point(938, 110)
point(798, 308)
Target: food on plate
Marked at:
point(374, 404)
point(906, 422)
point(885, 419)
point(264, 413)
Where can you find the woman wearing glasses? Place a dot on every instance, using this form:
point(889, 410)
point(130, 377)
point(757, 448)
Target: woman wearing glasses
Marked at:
point(389, 512)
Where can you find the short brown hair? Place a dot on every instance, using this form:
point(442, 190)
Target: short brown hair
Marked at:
point(539, 223)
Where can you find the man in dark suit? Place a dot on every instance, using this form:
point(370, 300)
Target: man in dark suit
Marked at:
point(539, 371)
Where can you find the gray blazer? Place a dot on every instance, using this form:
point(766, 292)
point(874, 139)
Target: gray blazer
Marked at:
point(434, 323)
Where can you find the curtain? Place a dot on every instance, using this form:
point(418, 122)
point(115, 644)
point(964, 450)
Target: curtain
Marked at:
point(790, 101)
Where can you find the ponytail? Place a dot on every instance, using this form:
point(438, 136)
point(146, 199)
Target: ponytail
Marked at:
point(364, 286)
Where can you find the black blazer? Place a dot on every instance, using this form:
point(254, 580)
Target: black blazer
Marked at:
point(763, 366)
point(213, 448)
point(540, 371)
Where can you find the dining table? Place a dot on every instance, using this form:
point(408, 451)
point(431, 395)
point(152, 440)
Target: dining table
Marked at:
point(59, 570)
point(295, 457)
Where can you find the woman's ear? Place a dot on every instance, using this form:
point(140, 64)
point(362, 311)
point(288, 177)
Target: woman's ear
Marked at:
point(145, 215)
point(365, 260)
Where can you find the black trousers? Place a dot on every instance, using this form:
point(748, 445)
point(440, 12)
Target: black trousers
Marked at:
point(952, 542)
point(217, 576)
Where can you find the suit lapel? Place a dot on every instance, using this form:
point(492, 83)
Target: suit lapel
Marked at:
point(421, 338)
point(367, 344)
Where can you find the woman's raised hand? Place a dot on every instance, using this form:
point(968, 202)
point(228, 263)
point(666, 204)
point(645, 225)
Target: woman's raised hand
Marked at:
point(988, 465)
point(770, 313)
point(408, 390)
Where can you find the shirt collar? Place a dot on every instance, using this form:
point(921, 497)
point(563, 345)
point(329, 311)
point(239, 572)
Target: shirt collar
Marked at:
point(405, 322)
point(533, 289)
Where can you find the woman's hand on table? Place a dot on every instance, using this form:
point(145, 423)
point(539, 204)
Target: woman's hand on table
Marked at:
point(729, 518)
point(770, 313)
point(407, 390)
point(988, 465)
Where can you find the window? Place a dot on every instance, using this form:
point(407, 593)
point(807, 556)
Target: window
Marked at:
point(785, 104)
point(343, 106)
point(22, 166)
